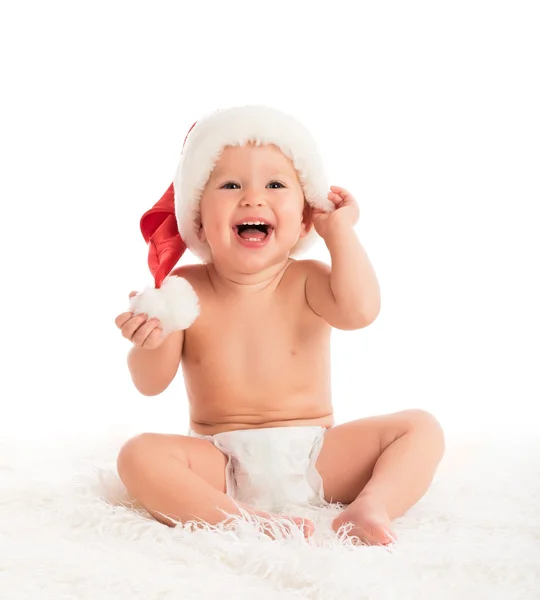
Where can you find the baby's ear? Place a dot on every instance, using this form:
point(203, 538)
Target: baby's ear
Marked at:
point(200, 234)
point(307, 219)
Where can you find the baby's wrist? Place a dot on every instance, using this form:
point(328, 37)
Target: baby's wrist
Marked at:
point(338, 234)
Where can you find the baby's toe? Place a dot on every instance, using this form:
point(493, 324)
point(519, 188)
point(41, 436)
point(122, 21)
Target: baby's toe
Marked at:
point(369, 530)
point(306, 525)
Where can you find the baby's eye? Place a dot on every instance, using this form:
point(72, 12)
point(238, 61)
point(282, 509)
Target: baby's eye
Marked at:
point(228, 184)
point(276, 183)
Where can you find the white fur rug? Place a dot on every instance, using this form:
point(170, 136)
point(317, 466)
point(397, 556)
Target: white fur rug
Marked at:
point(64, 534)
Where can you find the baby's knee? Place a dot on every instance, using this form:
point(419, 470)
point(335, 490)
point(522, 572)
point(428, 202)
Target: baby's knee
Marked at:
point(419, 416)
point(138, 453)
point(131, 452)
point(426, 423)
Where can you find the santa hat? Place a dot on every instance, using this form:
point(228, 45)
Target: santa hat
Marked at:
point(173, 223)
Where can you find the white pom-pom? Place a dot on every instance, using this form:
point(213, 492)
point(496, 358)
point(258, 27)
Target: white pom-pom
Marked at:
point(175, 304)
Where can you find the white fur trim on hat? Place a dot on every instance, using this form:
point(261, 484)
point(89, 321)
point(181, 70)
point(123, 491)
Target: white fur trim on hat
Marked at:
point(237, 127)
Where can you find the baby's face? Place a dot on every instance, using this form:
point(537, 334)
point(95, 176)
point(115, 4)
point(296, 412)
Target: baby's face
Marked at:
point(251, 184)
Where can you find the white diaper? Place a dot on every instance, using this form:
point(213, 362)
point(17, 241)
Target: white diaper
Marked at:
point(273, 467)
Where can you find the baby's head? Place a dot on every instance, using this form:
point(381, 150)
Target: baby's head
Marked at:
point(253, 210)
point(240, 165)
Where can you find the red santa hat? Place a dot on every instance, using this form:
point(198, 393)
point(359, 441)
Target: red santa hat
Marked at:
point(172, 224)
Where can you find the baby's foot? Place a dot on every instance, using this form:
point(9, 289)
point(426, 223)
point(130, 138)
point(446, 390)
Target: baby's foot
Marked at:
point(306, 526)
point(370, 521)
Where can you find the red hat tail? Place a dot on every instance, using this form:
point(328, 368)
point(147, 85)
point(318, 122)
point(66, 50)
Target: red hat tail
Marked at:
point(160, 231)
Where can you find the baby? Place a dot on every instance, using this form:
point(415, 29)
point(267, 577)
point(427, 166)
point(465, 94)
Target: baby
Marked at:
point(248, 196)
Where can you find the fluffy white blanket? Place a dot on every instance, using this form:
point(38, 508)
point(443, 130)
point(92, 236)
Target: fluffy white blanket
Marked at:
point(67, 531)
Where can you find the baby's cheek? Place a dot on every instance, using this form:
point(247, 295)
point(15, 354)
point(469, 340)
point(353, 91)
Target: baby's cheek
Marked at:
point(291, 218)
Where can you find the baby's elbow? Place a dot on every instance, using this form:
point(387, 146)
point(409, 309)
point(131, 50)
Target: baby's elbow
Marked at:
point(353, 319)
point(149, 393)
point(153, 388)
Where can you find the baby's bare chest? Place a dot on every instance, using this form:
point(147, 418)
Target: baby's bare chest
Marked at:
point(255, 341)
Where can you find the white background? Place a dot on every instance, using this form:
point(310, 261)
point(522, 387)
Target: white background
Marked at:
point(426, 111)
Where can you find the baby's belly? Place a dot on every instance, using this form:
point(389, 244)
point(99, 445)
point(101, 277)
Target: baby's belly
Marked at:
point(218, 405)
point(235, 422)
point(260, 378)
point(233, 415)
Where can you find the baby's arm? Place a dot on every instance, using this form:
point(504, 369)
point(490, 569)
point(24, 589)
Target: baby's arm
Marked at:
point(154, 359)
point(153, 370)
point(347, 295)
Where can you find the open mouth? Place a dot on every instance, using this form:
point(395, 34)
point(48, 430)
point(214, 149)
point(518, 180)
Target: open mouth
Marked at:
point(254, 231)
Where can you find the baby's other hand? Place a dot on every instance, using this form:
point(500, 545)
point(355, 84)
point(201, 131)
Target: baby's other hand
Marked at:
point(138, 329)
point(346, 213)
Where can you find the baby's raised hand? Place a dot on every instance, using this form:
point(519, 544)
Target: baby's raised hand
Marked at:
point(138, 329)
point(346, 213)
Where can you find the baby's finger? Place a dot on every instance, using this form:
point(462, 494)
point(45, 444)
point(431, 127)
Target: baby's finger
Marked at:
point(341, 192)
point(154, 339)
point(132, 325)
point(335, 198)
point(122, 319)
point(133, 294)
point(139, 337)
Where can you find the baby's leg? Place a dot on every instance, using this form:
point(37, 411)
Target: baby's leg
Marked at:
point(380, 466)
point(181, 477)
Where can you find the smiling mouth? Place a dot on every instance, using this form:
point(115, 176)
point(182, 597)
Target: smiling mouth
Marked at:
point(254, 231)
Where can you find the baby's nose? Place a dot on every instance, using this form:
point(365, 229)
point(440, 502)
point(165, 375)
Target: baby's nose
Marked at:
point(253, 200)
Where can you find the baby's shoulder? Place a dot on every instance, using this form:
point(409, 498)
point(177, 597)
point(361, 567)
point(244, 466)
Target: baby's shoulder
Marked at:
point(299, 271)
point(196, 274)
point(304, 267)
